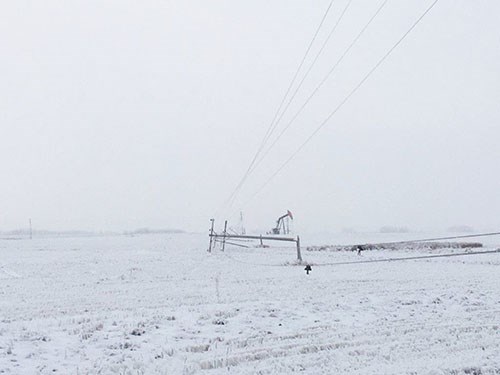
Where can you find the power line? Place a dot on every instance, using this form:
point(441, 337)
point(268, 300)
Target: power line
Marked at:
point(393, 259)
point(351, 93)
point(258, 264)
point(256, 162)
point(232, 243)
point(322, 82)
point(317, 88)
point(419, 257)
point(438, 239)
point(268, 132)
point(310, 68)
point(407, 258)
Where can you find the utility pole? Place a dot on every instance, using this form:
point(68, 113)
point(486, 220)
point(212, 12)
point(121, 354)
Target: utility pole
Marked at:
point(299, 255)
point(211, 236)
point(224, 236)
point(243, 231)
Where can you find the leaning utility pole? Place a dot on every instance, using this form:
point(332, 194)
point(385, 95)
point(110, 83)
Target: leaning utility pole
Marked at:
point(211, 236)
point(224, 235)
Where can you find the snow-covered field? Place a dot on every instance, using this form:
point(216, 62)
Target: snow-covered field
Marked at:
point(160, 304)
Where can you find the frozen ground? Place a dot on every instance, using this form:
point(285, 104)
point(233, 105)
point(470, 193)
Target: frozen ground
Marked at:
point(162, 305)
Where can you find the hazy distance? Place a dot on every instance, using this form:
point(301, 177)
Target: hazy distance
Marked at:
point(122, 114)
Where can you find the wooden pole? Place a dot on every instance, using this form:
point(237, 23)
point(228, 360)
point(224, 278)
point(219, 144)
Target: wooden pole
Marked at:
point(251, 237)
point(299, 255)
point(224, 236)
point(211, 236)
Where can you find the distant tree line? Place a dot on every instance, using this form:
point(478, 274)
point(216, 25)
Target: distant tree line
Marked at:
point(152, 231)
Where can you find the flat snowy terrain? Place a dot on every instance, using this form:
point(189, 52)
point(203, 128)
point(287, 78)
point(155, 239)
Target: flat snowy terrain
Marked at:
point(160, 304)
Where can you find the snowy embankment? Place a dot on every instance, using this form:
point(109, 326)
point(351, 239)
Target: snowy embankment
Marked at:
point(161, 304)
point(400, 246)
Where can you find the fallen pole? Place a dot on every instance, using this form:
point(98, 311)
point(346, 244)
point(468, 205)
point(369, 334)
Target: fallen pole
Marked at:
point(271, 238)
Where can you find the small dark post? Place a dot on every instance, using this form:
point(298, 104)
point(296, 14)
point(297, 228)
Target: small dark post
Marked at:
point(211, 236)
point(224, 236)
point(261, 243)
point(308, 269)
point(299, 255)
point(360, 249)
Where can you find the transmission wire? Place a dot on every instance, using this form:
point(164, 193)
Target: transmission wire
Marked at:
point(356, 88)
point(276, 123)
point(264, 140)
point(322, 82)
point(325, 78)
point(310, 68)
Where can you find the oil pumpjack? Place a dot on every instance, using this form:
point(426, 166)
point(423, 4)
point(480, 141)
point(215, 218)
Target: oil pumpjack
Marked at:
point(283, 224)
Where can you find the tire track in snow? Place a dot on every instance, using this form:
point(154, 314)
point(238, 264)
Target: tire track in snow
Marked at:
point(9, 273)
point(414, 338)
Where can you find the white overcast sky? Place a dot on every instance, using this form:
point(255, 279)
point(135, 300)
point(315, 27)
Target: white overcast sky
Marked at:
point(123, 114)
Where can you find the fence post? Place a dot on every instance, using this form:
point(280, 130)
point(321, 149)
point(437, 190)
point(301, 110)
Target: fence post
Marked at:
point(299, 255)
